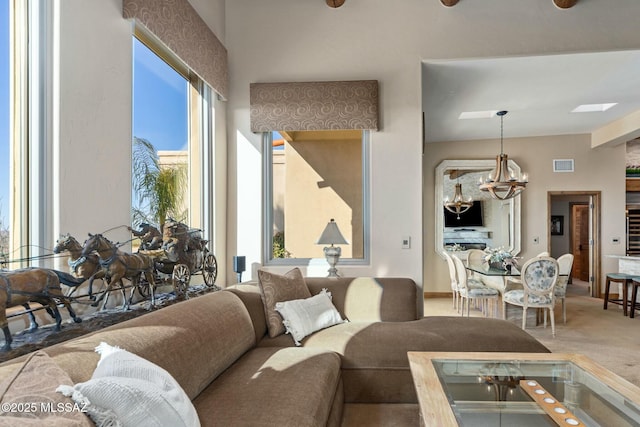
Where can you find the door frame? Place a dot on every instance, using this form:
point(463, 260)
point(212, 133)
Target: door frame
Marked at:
point(595, 259)
point(570, 228)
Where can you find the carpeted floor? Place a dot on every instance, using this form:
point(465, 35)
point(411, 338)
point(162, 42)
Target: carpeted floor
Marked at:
point(606, 336)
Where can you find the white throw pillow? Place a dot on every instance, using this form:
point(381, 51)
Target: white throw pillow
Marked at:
point(305, 316)
point(127, 390)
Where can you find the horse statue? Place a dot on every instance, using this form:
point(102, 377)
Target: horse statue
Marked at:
point(41, 285)
point(82, 267)
point(119, 265)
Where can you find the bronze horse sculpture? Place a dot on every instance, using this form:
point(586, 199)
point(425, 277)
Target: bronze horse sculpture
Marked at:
point(119, 265)
point(85, 267)
point(41, 285)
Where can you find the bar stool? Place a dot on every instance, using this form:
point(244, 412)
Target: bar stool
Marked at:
point(623, 278)
point(635, 282)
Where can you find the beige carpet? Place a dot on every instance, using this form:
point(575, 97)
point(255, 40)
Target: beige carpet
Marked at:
point(606, 336)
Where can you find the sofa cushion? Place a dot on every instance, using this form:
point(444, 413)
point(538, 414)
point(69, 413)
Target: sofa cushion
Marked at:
point(305, 316)
point(371, 299)
point(278, 288)
point(274, 387)
point(127, 390)
point(31, 389)
point(251, 297)
point(374, 354)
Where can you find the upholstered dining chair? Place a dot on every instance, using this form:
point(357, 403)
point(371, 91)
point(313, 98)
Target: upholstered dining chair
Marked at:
point(475, 257)
point(471, 289)
point(453, 276)
point(517, 280)
point(565, 263)
point(539, 277)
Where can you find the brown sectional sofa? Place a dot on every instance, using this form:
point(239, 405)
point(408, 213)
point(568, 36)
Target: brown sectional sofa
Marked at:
point(217, 348)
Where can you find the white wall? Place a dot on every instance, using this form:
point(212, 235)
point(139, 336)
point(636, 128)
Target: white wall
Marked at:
point(94, 109)
point(291, 40)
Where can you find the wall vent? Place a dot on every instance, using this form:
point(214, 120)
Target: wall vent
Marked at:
point(563, 165)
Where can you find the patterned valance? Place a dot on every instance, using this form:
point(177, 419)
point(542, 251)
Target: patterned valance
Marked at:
point(181, 29)
point(314, 106)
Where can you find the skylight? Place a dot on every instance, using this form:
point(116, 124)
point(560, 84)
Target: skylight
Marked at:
point(477, 114)
point(593, 108)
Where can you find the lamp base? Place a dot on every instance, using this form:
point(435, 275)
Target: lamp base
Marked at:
point(332, 253)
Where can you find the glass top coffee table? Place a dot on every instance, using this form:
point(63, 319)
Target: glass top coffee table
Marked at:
point(520, 389)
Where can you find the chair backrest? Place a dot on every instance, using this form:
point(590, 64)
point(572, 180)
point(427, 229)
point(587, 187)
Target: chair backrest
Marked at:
point(565, 263)
point(539, 276)
point(475, 257)
point(452, 271)
point(461, 271)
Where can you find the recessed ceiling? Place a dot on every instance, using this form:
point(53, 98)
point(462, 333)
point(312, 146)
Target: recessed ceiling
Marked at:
point(538, 91)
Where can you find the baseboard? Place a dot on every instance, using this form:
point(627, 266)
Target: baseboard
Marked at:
point(437, 295)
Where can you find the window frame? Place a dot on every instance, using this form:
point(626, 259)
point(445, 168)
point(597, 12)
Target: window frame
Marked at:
point(33, 46)
point(268, 215)
point(200, 134)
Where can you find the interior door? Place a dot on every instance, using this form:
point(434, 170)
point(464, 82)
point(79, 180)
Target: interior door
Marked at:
point(580, 241)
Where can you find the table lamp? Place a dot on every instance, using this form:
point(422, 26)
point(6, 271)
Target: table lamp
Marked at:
point(332, 236)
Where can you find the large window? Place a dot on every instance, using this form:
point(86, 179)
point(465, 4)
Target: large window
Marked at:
point(5, 164)
point(173, 130)
point(161, 140)
point(313, 177)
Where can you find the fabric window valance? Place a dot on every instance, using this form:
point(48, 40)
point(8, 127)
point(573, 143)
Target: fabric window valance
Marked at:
point(314, 106)
point(183, 31)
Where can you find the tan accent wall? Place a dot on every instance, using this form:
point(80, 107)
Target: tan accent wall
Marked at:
point(322, 180)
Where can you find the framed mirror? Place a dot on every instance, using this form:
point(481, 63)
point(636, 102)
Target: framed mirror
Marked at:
point(489, 223)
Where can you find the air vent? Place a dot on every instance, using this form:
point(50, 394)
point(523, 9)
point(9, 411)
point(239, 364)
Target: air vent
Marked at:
point(563, 165)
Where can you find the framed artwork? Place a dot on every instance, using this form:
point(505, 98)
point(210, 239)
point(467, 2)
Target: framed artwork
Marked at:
point(557, 225)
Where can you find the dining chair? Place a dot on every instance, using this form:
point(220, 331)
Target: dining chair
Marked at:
point(539, 277)
point(453, 276)
point(472, 289)
point(565, 263)
point(517, 280)
point(475, 257)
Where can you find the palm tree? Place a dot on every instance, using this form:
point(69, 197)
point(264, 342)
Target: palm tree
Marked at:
point(158, 190)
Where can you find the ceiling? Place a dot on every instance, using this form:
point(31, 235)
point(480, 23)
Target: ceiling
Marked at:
point(538, 92)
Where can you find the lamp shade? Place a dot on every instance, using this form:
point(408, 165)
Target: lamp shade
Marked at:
point(331, 235)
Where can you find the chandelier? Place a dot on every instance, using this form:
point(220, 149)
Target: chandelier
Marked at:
point(502, 183)
point(459, 204)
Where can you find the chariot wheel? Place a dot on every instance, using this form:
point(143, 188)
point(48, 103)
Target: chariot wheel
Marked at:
point(210, 270)
point(143, 288)
point(181, 277)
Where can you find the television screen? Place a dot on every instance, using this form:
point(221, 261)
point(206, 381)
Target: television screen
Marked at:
point(471, 218)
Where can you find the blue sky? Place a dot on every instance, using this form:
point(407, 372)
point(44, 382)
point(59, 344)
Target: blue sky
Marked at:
point(160, 104)
point(160, 101)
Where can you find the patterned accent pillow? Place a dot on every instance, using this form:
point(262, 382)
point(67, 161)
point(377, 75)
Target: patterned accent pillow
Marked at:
point(279, 288)
point(30, 397)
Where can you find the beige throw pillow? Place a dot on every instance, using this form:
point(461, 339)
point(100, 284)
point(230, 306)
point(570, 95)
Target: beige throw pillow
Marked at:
point(276, 288)
point(29, 396)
